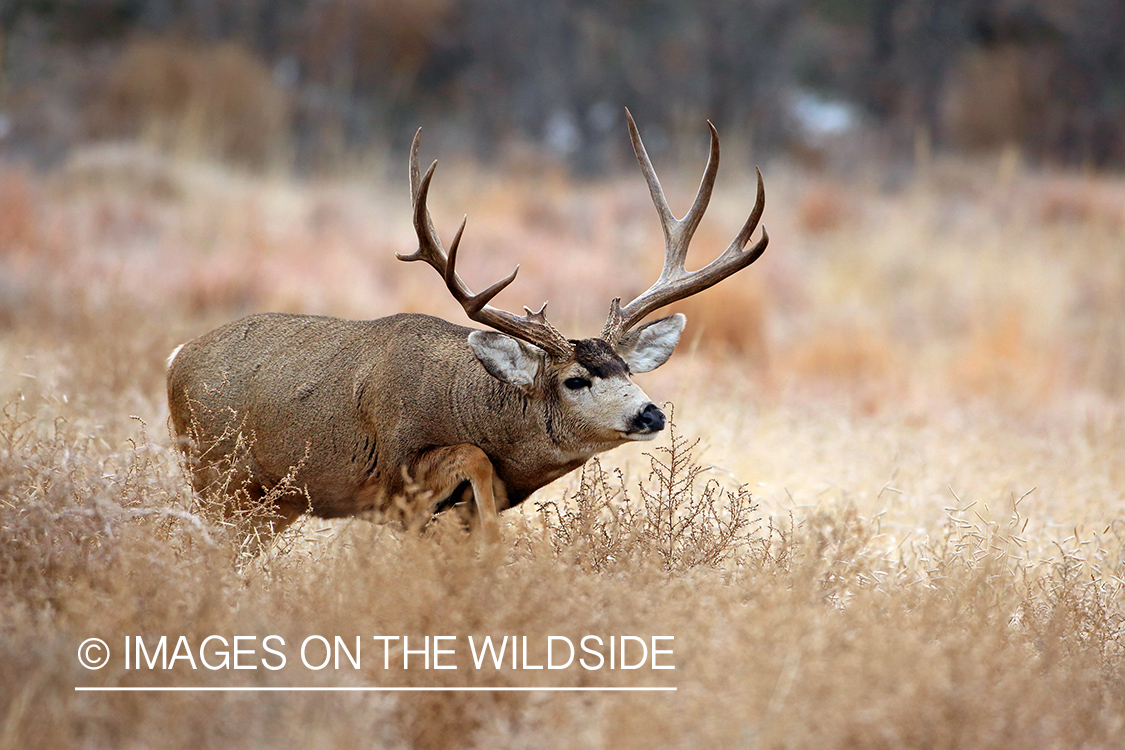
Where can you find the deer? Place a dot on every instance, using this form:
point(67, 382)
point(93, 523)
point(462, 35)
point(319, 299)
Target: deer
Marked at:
point(343, 418)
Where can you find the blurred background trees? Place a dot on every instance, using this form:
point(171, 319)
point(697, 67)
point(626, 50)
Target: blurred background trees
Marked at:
point(312, 83)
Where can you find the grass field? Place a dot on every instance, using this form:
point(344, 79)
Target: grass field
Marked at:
point(892, 514)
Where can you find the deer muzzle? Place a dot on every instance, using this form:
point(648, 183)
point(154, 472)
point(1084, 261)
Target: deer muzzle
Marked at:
point(648, 421)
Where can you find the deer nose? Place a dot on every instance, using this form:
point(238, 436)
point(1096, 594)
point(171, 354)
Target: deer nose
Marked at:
point(651, 419)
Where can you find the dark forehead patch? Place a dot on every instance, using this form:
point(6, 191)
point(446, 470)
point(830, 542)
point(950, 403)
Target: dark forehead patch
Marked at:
point(599, 358)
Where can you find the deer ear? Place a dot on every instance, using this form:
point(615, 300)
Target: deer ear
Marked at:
point(649, 346)
point(507, 359)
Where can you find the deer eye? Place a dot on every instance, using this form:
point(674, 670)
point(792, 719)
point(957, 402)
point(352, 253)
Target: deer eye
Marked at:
point(575, 383)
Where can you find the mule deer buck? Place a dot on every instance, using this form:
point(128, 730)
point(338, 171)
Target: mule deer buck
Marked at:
point(341, 417)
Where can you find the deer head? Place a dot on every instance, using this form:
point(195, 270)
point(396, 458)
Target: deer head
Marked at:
point(591, 378)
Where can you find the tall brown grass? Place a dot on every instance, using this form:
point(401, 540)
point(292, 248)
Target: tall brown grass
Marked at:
point(897, 524)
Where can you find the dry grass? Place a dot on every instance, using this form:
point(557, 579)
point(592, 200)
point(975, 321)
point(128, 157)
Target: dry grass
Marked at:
point(901, 525)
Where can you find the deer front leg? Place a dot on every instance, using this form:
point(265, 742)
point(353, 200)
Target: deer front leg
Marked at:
point(441, 470)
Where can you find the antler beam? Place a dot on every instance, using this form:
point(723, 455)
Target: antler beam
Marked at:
point(676, 283)
point(533, 327)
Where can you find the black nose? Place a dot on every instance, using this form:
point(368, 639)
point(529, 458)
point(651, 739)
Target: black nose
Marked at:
point(651, 419)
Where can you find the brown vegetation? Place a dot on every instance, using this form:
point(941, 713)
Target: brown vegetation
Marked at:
point(901, 525)
point(195, 101)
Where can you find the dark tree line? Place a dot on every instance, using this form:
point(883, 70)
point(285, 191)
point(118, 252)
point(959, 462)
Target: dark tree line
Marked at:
point(1048, 75)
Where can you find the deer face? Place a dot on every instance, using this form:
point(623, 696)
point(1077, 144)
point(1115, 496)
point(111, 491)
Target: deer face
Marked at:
point(592, 391)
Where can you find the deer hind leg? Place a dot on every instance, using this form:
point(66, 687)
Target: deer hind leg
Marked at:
point(440, 471)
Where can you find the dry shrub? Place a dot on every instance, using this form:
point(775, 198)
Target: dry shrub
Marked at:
point(1082, 202)
point(1101, 362)
point(128, 168)
point(822, 208)
point(1066, 205)
point(68, 504)
point(729, 320)
point(18, 225)
point(965, 645)
point(1001, 361)
point(217, 102)
point(231, 282)
point(671, 520)
point(112, 347)
point(849, 354)
point(225, 494)
point(1057, 599)
point(19, 239)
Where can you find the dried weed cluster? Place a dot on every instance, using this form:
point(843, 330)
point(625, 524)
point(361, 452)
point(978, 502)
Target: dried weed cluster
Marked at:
point(672, 521)
point(882, 580)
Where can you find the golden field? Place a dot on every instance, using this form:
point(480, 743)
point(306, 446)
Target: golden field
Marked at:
point(893, 514)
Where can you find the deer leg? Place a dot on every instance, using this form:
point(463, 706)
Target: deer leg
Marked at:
point(441, 470)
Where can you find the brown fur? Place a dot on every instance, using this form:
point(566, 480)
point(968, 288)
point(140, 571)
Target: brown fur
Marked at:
point(350, 404)
point(599, 358)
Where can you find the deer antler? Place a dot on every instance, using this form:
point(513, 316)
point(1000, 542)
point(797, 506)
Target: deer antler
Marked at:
point(533, 327)
point(675, 283)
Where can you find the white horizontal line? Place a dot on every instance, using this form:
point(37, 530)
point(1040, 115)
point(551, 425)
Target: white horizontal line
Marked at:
point(373, 689)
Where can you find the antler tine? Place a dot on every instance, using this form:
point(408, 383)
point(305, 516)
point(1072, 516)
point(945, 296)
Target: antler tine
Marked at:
point(675, 283)
point(657, 192)
point(677, 232)
point(533, 328)
point(429, 246)
point(473, 303)
point(415, 174)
